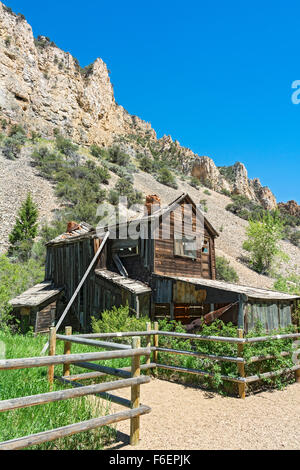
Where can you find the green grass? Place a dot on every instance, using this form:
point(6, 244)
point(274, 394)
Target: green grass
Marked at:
point(20, 383)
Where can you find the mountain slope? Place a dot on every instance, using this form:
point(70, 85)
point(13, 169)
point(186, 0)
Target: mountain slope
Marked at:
point(44, 89)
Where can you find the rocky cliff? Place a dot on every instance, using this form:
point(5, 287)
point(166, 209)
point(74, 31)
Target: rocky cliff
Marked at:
point(44, 88)
point(233, 179)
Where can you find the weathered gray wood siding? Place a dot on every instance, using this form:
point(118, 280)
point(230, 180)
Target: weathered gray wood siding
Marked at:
point(272, 315)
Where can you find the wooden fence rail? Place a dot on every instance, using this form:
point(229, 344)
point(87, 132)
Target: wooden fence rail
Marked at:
point(130, 378)
point(242, 380)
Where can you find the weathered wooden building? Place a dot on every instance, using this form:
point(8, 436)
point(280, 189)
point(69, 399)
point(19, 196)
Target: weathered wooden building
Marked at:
point(171, 276)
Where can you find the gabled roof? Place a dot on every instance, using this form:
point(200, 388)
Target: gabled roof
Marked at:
point(87, 231)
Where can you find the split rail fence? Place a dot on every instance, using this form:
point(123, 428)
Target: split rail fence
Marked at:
point(242, 380)
point(129, 377)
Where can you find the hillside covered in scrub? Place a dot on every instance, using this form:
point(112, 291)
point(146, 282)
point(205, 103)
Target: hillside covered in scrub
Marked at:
point(65, 140)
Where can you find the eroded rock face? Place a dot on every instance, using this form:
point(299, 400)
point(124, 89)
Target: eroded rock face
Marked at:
point(206, 171)
point(43, 88)
point(291, 207)
point(234, 180)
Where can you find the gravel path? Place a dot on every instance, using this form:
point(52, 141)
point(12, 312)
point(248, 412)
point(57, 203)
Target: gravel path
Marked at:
point(187, 418)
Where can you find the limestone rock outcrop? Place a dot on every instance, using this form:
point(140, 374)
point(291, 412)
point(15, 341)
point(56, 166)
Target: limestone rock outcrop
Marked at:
point(233, 179)
point(43, 88)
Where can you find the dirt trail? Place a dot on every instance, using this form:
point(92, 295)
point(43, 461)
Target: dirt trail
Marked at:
point(189, 418)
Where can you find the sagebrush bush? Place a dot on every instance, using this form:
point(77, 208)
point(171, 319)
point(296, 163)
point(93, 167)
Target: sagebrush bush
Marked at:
point(224, 271)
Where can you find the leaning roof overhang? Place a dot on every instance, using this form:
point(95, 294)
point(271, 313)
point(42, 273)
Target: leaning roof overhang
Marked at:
point(250, 292)
point(133, 286)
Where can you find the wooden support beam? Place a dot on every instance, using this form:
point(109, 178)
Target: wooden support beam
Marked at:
point(78, 288)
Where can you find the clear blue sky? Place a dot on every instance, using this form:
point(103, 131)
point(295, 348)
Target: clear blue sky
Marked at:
point(216, 75)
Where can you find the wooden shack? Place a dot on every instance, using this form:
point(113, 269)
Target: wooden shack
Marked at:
point(169, 277)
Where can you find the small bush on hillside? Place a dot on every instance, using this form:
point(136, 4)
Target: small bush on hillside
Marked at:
point(115, 155)
point(124, 188)
point(195, 183)
point(13, 144)
point(203, 204)
point(146, 164)
point(65, 146)
point(244, 208)
point(225, 272)
point(295, 238)
point(98, 152)
point(166, 177)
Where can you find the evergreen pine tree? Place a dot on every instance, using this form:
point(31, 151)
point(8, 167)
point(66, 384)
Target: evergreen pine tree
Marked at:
point(25, 229)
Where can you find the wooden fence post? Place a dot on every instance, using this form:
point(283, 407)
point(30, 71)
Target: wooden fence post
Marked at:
point(155, 341)
point(241, 367)
point(67, 350)
point(135, 393)
point(148, 360)
point(297, 349)
point(52, 350)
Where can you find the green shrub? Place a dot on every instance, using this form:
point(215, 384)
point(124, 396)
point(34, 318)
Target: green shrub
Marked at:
point(166, 177)
point(13, 144)
point(124, 188)
point(295, 238)
point(194, 182)
point(98, 152)
point(118, 320)
point(225, 272)
point(203, 204)
point(115, 155)
point(146, 164)
point(65, 146)
point(218, 328)
point(15, 278)
point(263, 237)
point(244, 208)
point(207, 192)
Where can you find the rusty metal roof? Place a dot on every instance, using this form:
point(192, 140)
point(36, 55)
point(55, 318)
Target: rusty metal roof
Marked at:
point(250, 292)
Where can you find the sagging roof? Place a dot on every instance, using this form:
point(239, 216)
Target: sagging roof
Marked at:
point(250, 292)
point(82, 230)
point(136, 287)
point(85, 230)
point(40, 295)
